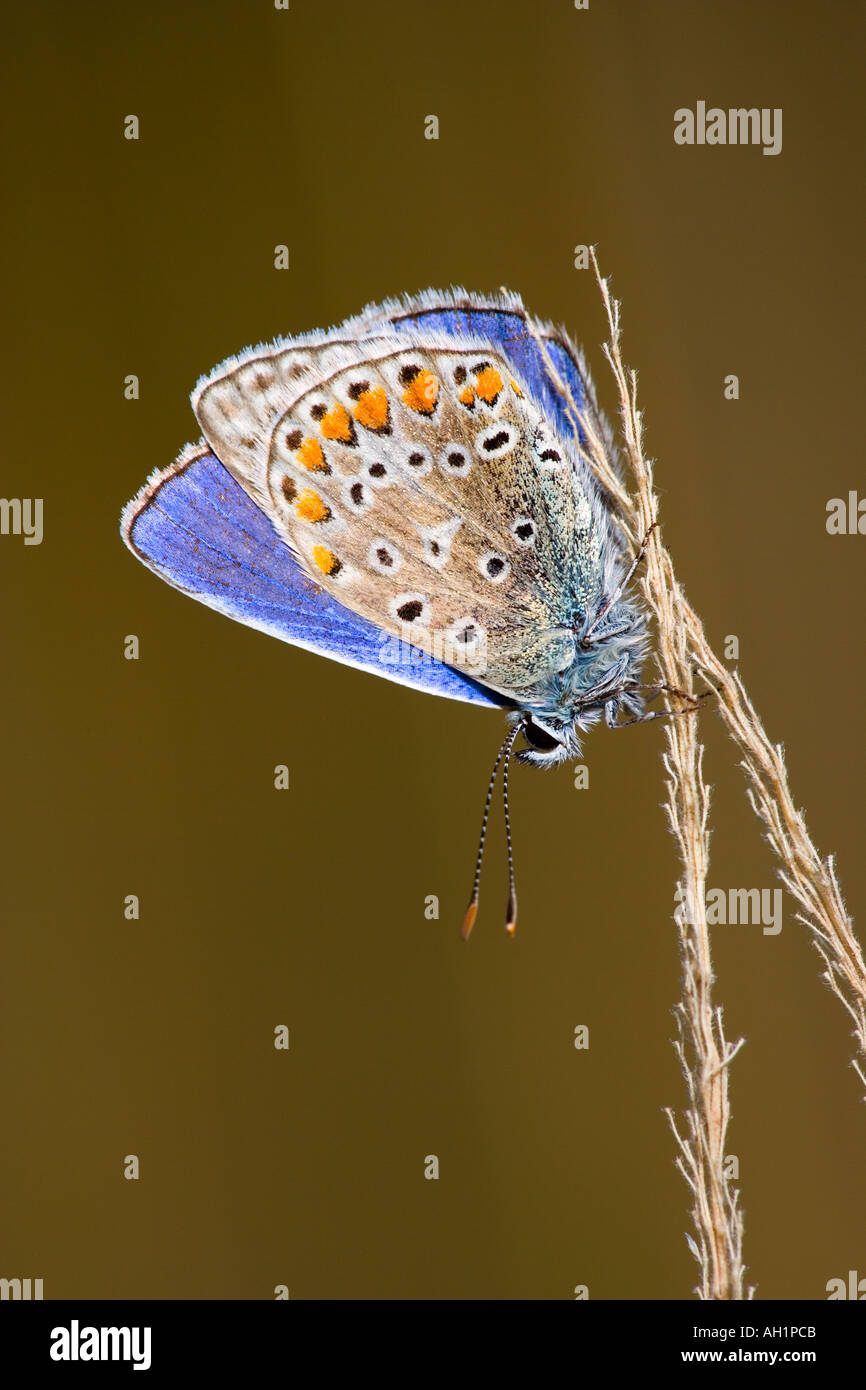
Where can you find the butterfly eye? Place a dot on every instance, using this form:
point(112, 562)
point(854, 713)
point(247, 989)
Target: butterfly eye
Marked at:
point(538, 738)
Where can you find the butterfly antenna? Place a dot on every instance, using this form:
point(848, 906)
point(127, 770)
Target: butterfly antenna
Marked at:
point(511, 910)
point(472, 909)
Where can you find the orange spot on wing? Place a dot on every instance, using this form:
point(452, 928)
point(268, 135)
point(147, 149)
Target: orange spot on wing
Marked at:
point(467, 396)
point(422, 393)
point(515, 388)
point(325, 559)
point(311, 456)
point(311, 507)
point(337, 425)
point(489, 384)
point(372, 408)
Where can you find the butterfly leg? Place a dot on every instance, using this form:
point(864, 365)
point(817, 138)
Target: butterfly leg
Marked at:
point(610, 709)
point(661, 687)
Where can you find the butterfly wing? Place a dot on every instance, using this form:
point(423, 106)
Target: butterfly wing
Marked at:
point(539, 352)
point(197, 529)
point(419, 482)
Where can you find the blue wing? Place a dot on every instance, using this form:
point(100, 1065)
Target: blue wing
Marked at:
point(197, 529)
point(502, 320)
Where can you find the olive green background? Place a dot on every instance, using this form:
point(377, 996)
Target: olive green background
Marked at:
point(306, 907)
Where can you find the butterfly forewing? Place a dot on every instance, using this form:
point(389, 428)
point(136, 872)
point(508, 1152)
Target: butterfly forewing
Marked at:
point(423, 487)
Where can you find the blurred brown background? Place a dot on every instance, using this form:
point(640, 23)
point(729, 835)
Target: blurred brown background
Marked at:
point(306, 908)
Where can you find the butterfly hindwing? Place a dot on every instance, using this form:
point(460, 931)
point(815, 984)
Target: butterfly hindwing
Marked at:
point(416, 478)
point(200, 531)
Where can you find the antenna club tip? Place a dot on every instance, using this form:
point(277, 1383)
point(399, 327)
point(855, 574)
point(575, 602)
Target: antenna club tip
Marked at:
point(511, 927)
point(469, 920)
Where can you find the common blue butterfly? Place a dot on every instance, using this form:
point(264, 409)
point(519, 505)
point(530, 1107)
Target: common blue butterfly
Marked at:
point(408, 493)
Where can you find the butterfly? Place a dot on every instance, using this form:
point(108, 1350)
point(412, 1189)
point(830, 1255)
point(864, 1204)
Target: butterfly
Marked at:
point(409, 494)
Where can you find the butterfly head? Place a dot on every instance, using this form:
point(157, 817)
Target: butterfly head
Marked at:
point(601, 678)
